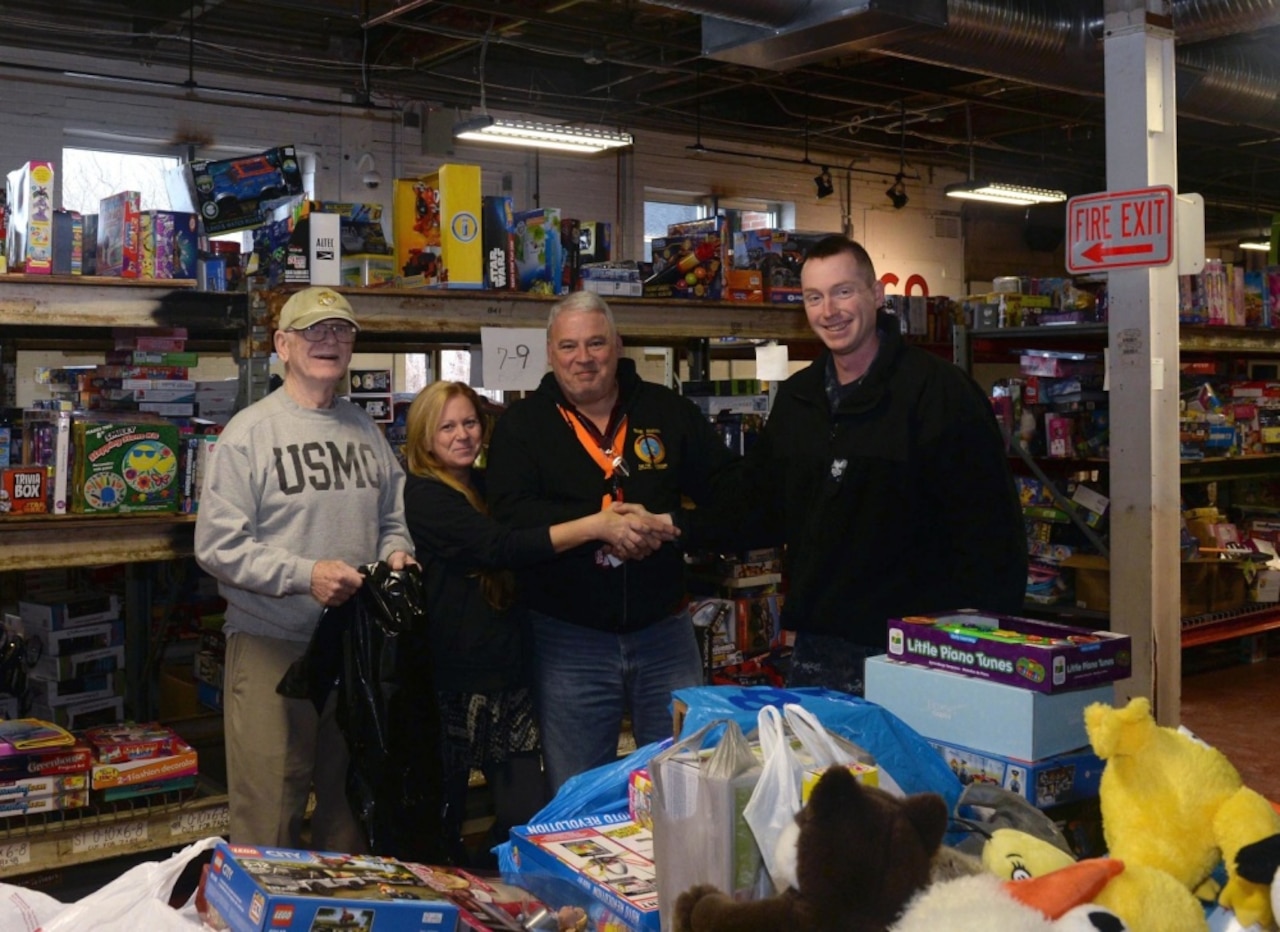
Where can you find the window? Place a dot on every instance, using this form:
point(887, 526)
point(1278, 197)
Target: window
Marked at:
point(658, 215)
point(89, 175)
point(740, 214)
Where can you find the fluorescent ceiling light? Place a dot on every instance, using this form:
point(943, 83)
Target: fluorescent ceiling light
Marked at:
point(999, 193)
point(580, 139)
point(1257, 245)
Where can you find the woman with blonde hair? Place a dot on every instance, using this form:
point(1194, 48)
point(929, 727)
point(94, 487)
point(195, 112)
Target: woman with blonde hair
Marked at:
point(475, 634)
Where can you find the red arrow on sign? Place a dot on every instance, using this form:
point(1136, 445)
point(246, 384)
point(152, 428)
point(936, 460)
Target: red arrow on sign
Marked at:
point(1095, 252)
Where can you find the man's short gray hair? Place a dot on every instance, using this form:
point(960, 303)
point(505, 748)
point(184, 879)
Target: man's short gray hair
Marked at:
point(582, 301)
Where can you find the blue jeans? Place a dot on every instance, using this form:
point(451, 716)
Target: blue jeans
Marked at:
point(586, 679)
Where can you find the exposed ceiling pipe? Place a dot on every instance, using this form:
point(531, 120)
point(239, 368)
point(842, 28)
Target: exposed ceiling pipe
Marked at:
point(1054, 44)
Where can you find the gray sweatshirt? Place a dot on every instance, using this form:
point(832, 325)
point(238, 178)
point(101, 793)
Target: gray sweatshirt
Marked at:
point(285, 487)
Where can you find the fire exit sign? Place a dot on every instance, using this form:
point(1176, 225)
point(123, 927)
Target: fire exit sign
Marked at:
point(1120, 229)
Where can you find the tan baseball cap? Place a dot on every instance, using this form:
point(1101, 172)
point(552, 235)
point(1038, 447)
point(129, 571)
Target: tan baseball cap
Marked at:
point(312, 305)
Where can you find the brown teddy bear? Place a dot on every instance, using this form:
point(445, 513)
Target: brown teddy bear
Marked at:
point(861, 855)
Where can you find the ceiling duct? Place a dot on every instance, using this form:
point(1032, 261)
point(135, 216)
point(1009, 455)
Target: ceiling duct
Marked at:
point(782, 36)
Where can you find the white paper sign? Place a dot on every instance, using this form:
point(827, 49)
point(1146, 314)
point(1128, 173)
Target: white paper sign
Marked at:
point(771, 363)
point(513, 357)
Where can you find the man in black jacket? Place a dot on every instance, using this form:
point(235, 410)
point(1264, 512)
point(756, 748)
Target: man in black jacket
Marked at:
point(884, 471)
point(610, 635)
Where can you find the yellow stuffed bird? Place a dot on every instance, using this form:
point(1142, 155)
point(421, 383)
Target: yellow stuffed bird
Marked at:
point(1174, 804)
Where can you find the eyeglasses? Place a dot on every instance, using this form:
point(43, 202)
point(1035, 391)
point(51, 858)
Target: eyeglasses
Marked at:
point(343, 333)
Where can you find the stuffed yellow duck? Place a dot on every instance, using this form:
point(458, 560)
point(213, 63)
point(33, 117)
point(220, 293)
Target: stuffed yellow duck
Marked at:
point(1178, 806)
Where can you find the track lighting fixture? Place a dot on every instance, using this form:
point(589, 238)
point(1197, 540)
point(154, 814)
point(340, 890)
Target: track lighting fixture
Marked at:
point(897, 192)
point(822, 181)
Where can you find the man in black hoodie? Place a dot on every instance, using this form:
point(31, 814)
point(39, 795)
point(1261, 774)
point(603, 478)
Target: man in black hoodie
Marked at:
point(883, 469)
point(610, 635)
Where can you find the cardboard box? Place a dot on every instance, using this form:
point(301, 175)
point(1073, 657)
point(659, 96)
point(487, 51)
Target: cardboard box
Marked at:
point(498, 228)
point(15, 764)
point(982, 714)
point(1207, 586)
point(84, 663)
point(120, 235)
point(30, 805)
point(255, 889)
point(77, 689)
point(238, 194)
point(68, 242)
point(29, 202)
point(76, 640)
point(174, 247)
point(437, 228)
point(689, 263)
point(1035, 655)
point(607, 857)
point(181, 763)
point(1065, 778)
point(32, 787)
point(122, 466)
point(324, 258)
point(77, 715)
point(539, 251)
point(57, 611)
point(23, 490)
point(368, 270)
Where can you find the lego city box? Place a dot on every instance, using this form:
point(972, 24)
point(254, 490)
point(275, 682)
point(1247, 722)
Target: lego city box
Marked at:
point(1051, 781)
point(436, 224)
point(1036, 655)
point(29, 202)
point(259, 888)
point(237, 194)
point(124, 466)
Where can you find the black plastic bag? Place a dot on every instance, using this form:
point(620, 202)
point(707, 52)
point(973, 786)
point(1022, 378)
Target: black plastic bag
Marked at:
point(373, 650)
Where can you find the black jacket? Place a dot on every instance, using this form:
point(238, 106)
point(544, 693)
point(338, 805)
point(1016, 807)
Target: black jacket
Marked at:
point(539, 474)
point(472, 646)
point(900, 502)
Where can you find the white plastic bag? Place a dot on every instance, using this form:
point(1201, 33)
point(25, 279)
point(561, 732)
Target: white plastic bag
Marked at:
point(771, 810)
point(136, 900)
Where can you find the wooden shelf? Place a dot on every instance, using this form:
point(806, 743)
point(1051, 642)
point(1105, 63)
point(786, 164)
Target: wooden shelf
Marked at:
point(39, 541)
point(438, 314)
point(47, 302)
point(1254, 619)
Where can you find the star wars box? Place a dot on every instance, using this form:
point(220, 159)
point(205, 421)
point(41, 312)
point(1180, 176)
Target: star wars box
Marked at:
point(124, 467)
point(1035, 655)
point(255, 889)
point(498, 229)
point(29, 199)
point(437, 228)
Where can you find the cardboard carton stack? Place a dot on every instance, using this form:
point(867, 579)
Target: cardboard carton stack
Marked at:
point(1002, 698)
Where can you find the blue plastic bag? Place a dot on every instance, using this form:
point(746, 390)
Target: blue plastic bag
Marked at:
point(899, 749)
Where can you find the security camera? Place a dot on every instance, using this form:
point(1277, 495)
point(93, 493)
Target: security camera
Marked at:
point(371, 177)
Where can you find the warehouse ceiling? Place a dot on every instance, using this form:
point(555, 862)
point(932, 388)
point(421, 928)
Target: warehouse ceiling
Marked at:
point(1009, 88)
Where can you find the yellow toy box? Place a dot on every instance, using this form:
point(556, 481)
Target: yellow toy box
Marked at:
point(436, 224)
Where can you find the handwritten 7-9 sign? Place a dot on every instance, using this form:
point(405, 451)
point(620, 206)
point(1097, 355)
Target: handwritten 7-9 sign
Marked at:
point(1120, 229)
point(514, 358)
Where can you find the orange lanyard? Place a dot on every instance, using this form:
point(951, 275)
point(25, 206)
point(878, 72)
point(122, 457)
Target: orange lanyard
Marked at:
point(606, 453)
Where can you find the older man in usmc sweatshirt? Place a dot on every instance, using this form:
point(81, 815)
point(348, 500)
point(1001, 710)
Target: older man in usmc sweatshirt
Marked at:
point(301, 489)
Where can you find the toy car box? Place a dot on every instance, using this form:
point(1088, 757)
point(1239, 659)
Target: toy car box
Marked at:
point(778, 255)
point(29, 200)
point(607, 857)
point(437, 230)
point(255, 889)
point(1036, 655)
point(236, 194)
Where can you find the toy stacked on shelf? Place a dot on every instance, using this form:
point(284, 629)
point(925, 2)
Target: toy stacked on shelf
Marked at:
point(78, 638)
point(690, 261)
point(29, 199)
point(135, 760)
point(736, 608)
point(43, 768)
point(1002, 698)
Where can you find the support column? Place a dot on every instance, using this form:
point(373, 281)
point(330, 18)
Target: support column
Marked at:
point(1145, 489)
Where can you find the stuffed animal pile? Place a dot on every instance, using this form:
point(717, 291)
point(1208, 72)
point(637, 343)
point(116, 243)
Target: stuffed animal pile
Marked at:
point(1173, 810)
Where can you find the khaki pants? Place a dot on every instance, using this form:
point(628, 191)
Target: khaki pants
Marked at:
point(278, 749)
